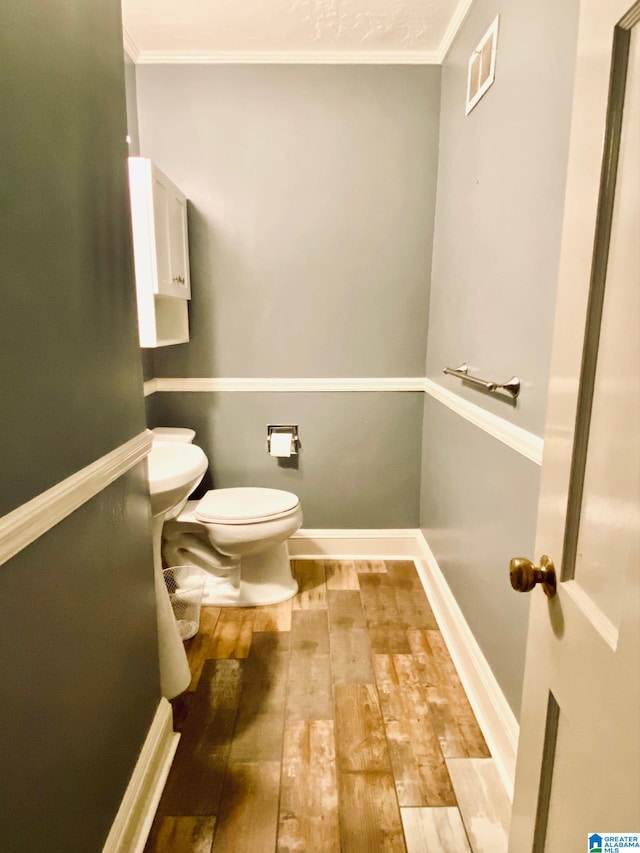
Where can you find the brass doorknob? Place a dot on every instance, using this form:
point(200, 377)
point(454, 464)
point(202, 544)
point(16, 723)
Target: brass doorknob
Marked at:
point(524, 575)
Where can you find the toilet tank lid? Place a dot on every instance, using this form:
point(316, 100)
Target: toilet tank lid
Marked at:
point(173, 434)
point(244, 504)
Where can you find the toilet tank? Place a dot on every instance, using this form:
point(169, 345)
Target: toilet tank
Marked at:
point(180, 434)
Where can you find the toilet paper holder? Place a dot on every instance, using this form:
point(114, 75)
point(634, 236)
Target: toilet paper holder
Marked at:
point(290, 429)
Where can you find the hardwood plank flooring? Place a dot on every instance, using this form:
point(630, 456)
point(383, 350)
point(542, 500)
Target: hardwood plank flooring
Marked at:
point(483, 803)
point(201, 647)
point(309, 687)
point(231, 637)
point(248, 817)
point(308, 793)
point(273, 617)
point(361, 743)
point(351, 661)
point(331, 723)
point(312, 584)
point(182, 834)
point(195, 782)
point(369, 814)
point(419, 767)
point(387, 633)
point(451, 713)
point(413, 607)
point(435, 831)
point(260, 720)
point(341, 574)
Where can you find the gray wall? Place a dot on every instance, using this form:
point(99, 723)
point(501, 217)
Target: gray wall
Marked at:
point(79, 672)
point(65, 232)
point(496, 249)
point(312, 192)
point(501, 179)
point(360, 454)
point(480, 500)
point(78, 647)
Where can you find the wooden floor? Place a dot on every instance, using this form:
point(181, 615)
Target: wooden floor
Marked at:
point(332, 722)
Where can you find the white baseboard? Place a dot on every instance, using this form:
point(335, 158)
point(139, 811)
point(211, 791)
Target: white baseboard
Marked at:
point(495, 718)
point(133, 821)
point(347, 544)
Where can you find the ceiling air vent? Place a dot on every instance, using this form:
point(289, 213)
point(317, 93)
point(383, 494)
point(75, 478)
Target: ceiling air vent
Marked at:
point(482, 66)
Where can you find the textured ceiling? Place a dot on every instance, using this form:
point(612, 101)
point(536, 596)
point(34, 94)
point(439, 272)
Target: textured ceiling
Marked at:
point(179, 30)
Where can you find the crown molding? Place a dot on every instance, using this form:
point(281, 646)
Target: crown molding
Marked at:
point(130, 46)
point(302, 57)
point(459, 17)
point(288, 57)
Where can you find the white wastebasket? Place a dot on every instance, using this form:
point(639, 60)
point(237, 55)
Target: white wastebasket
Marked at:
point(185, 585)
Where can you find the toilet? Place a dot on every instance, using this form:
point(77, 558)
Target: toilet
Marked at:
point(238, 536)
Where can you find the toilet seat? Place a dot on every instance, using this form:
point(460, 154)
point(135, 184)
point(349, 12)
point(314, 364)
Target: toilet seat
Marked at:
point(244, 505)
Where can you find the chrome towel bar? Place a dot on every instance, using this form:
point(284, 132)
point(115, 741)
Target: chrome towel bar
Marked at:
point(512, 386)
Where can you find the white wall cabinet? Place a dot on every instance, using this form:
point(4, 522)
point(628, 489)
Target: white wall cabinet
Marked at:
point(161, 254)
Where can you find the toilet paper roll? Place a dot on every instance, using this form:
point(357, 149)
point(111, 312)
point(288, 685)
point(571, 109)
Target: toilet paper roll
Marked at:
point(280, 444)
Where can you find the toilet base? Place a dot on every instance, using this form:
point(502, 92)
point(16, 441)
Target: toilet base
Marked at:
point(249, 581)
point(260, 579)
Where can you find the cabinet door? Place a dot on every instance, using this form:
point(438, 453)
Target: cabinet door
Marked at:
point(159, 224)
point(160, 193)
point(170, 225)
point(178, 244)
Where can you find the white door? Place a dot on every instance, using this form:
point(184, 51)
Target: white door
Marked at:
point(578, 770)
